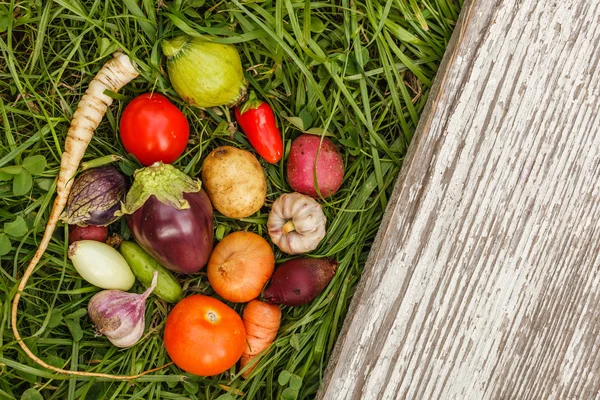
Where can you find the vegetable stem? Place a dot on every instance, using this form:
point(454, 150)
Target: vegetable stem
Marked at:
point(288, 227)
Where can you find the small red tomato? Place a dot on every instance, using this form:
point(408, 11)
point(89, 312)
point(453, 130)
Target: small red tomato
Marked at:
point(153, 129)
point(258, 123)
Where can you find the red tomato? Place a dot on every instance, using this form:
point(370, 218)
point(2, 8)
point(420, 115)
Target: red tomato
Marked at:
point(153, 129)
point(204, 336)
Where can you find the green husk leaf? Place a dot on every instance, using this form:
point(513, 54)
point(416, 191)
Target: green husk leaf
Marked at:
point(165, 182)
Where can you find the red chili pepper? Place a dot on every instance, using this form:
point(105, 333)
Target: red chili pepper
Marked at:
point(258, 123)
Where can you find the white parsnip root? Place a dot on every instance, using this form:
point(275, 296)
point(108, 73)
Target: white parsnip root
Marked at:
point(116, 73)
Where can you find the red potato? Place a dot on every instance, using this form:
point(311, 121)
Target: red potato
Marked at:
point(90, 232)
point(301, 166)
point(299, 281)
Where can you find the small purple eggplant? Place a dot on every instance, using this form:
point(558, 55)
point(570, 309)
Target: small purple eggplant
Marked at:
point(299, 281)
point(96, 195)
point(170, 217)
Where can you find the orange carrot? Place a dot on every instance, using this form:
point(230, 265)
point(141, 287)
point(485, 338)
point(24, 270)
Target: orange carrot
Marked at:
point(116, 73)
point(261, 321)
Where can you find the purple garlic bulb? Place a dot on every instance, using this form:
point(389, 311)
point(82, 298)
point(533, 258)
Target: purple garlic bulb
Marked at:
point(120, 316)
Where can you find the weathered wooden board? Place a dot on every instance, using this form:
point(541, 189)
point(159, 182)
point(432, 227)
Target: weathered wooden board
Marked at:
point(484, 282)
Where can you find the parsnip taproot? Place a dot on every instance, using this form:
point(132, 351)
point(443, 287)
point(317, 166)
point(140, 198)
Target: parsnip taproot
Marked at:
point(116, 73)
point(261, 321)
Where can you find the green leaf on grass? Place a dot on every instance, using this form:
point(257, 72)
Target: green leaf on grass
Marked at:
point(172, 384)
point(127, 169)
point(295, 382)
point(22, 183)
point(82, 312)
point(317, 131)
point(55, 361)
point(195, 3)
point(16, 228)
point(106, 47)
point(44, 183)
point(31, 394)
point(307, 119)
point(5, 245)
point(225, 396)
point(289, 394)
point(220, 232)
point(295, 342)
point(11, 169)
point(364, 57)
point(316, 25)
point(56, 317)
point(35, 164)
point(221, 129)
point(191, 387)
point(5, 176)
point(75, 329)
point(297, 122)
point(284, 378)
point(5, 18)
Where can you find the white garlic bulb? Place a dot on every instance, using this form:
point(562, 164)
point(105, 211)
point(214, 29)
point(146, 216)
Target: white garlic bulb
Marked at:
point(120, 316)
point(296, 223)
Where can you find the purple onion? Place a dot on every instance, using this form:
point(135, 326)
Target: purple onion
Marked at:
point(96, 195)
point(298, 281)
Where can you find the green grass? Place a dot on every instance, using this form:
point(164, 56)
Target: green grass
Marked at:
point(359, 70)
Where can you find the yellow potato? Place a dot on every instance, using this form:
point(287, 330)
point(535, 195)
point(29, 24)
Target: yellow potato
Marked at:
point(234, 181)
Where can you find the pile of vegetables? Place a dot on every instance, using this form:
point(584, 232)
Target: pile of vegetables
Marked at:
point(170, 217)
point(237, 159)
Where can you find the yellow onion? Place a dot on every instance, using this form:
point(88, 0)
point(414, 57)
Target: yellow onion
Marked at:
point(204, 74)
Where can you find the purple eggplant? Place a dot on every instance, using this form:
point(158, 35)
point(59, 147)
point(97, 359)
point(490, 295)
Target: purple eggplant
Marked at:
point(171, 217)
point(180, 240)
point(96, 195)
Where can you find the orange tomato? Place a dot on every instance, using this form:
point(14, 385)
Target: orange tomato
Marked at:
point(240, 266)
point(204, 336)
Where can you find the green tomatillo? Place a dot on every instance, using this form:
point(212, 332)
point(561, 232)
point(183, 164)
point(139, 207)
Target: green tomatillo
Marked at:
point(203, 73)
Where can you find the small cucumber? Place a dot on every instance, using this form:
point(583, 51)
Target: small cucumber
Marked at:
point(143, 266)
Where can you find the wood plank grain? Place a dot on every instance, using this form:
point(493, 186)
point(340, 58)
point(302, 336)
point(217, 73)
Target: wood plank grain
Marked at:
point(484, 280)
